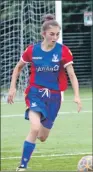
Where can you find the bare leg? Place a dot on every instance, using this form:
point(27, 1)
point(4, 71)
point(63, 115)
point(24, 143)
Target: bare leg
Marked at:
point(29, 143)
point(34, 127)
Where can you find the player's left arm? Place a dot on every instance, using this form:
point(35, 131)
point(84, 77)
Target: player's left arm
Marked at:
point(67, 62)
point(75, 85)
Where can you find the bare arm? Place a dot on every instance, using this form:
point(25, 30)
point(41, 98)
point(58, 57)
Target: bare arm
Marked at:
point(16, 72)
point(75, 85)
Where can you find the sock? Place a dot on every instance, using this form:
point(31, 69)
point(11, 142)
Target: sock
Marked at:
point(27, 152)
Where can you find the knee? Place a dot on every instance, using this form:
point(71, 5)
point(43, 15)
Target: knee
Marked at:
point(42, 138)
point(34, 131)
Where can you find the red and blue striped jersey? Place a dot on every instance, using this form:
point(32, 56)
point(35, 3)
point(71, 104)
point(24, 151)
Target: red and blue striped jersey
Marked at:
point(47, 67)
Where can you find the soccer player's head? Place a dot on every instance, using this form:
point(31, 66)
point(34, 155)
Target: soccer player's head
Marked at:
point(50, 29)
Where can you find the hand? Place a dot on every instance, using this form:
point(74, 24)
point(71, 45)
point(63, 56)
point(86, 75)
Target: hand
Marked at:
point(11, 95)
point(79, 104)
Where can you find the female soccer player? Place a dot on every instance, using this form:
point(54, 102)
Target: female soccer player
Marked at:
point(43, 95)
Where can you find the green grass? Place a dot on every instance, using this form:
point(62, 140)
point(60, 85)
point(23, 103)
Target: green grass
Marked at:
point(70, 137)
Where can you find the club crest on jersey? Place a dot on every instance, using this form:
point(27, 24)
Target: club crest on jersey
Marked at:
point(55, 58)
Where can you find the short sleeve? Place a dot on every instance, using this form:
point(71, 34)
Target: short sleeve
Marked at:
point(67, 57)
point(27, 54)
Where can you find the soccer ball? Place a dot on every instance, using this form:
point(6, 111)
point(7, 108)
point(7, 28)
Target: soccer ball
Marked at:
point(85, 164)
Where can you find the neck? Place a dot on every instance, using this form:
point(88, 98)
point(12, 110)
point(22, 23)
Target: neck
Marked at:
point(46, 46)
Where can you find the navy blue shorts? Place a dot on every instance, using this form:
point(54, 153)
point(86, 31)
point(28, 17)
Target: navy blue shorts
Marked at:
point(44, 101)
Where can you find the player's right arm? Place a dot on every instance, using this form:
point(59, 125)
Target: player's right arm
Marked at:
point(12, 90)
point(25, 58)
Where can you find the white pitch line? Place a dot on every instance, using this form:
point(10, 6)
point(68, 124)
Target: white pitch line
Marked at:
point(21, 115)
point(51, 155)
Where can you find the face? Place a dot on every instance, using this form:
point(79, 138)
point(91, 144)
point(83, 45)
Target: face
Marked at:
point(51, 35)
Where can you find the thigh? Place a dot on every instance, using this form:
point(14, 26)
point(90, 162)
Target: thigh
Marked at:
point(35, 103)
point(53, 107)
point(34, 118)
